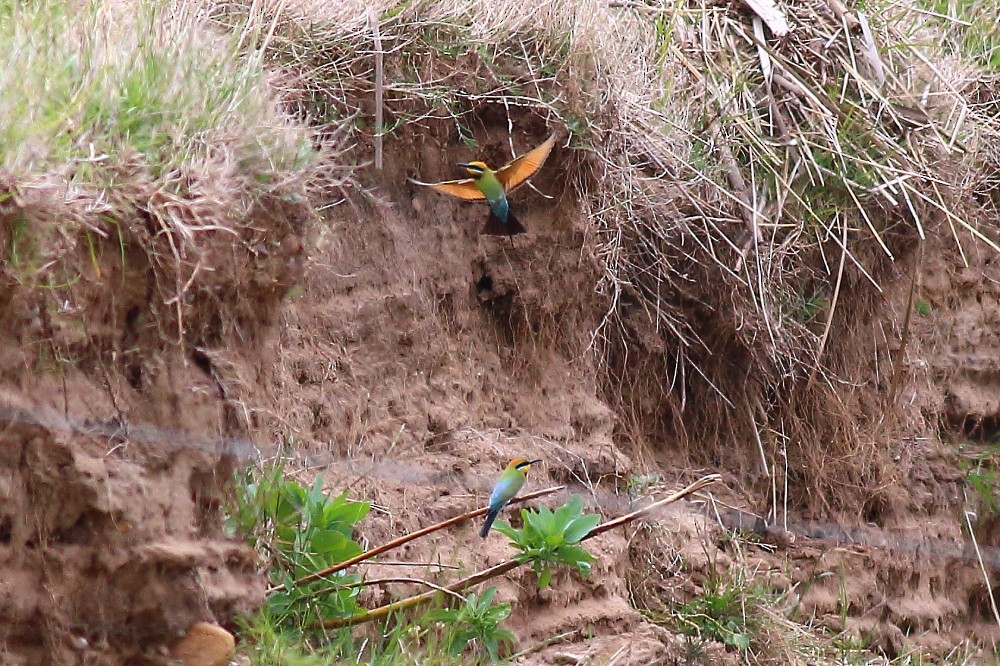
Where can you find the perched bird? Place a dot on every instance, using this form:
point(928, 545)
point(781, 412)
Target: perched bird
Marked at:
point(494, 186)
point(506, 489)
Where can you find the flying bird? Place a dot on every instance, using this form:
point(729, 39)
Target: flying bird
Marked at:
point(493, 186)
point(506, 489)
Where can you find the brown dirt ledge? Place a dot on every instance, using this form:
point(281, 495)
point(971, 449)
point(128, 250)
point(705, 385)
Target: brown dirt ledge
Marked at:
point(110, 545)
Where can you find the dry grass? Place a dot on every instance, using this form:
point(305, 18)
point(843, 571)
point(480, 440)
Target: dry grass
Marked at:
point(764, 216)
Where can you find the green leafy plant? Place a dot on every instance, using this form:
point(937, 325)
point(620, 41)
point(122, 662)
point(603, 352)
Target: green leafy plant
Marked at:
point(551, 537)
point(984, 482)
point(638, 484)
point(725, 612)
point(981, 465)
point(302, 529)
point(477, 620)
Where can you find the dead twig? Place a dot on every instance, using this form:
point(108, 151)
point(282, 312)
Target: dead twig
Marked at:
point(897, 357)
point(417, 581)
point(396, 543)
point(500, 569)
point(379, 85)
point(982, 567)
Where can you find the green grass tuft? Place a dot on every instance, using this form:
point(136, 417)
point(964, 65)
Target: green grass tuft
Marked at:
point(88, 88)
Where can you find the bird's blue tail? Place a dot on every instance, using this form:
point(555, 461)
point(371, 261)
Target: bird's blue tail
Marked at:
point(490, 517)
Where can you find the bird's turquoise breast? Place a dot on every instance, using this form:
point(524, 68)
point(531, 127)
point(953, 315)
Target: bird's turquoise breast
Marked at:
point(504, 490)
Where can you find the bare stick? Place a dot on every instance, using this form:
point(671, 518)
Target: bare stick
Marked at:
point(670, 499)
point(982, 567)
point(425, 565)
point(416, 600)
point(418, 581)
point(396, 543)
point(379, 85)
point(541, 645)
point(833, 308)
point(897, 360)
point(500, 569)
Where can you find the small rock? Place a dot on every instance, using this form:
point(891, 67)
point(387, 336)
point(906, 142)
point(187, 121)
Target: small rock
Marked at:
point(205, 645)
point(779, 582)
point(889, 639)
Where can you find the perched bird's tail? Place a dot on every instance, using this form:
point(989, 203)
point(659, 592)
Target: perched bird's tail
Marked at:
point(490, 517)
point(497, 227)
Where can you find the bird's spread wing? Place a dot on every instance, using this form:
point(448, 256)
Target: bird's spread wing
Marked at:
point(524, 167)
point(463, 189)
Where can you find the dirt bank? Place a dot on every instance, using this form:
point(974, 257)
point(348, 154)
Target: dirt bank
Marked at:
point(838, 371)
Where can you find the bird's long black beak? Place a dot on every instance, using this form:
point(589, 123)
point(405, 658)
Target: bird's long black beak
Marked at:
point(463, 165)
point(532, 462)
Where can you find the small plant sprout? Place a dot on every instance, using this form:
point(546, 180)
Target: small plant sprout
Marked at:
point(303, 529)
point(478, 619)
point(551, 537)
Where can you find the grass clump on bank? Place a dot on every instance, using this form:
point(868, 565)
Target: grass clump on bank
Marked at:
point(89, 87)
point(140, 148)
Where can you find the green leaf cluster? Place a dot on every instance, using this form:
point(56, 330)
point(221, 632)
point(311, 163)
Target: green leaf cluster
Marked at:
point(477, 620)
point(303, 530)
point(551, 538)
point(719, 614)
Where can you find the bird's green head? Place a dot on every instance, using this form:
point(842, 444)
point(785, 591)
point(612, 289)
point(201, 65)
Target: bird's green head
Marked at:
point(521, 464)
point(474, 169)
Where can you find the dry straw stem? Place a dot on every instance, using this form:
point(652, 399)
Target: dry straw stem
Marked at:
point(510, 565)
point(406, 538)
point(982, 567)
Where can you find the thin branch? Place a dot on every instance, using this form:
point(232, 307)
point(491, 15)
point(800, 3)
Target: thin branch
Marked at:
point(426, 565)
point(510, 565)
point(541, 645)
point(418, 581)
point(379, 85)
point(396, 543)
point(897, 361)
point(670, 499)
point(833, 307)
point(982, 567)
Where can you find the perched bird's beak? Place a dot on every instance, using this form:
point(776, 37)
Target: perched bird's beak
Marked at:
point(463, 165)
point(532, 462)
